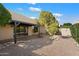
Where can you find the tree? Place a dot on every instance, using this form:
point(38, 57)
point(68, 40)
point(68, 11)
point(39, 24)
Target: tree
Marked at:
point(67, 25)
point(50, 23)
point(5, 16)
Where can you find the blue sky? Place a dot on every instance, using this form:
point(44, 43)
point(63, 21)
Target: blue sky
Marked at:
point(64, 12)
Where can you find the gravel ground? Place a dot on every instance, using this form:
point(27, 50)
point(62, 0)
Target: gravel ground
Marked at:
point(41, 47)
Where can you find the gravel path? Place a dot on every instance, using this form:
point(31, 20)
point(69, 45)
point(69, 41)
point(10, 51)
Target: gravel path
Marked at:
point(42, 47)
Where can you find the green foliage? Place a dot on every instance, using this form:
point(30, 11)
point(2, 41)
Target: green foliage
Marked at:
point(75, 31)
point(47, 20)
point(67, 25)
point(52, 28)
point(5, 16)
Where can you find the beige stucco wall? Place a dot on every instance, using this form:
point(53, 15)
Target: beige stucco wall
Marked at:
point(42, 30)
point(65, 32)
point(30, 31)
point(6, 32)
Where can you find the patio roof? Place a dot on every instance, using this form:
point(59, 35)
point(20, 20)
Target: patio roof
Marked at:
point(22, 18)
point(18, 19)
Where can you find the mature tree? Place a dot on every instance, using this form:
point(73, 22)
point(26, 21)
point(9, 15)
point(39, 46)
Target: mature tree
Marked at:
point(50, 23)
point(5, 16)
point(67, 25)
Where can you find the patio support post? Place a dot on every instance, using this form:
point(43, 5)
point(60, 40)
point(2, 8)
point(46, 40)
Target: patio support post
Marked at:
point(27, 30)
point(15, 32)
point(39, 31)
point(24, 29)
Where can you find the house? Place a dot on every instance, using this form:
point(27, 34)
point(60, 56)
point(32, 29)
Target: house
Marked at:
point(19, 25)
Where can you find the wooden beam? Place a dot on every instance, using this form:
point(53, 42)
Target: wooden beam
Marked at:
point(15, 25)
point(27, 30)
point(15, 32)
point(39, 31)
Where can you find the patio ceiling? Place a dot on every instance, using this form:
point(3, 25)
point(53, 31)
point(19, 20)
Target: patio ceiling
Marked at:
point(23, 19)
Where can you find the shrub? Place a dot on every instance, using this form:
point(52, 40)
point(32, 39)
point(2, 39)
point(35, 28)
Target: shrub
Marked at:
point(75, 31)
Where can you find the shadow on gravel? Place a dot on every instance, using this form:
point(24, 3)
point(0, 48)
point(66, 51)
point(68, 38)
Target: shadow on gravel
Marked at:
point(25, 47)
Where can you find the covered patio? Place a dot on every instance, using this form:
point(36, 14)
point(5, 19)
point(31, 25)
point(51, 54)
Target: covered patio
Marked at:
point(21, 30)
point(22, 26)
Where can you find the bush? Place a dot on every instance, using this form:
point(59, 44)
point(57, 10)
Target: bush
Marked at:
point(58, 33)
point(75, 31)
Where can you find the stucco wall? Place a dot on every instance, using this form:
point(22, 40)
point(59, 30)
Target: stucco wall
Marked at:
point(6, 32)
point(30, 31)
point(65, 32)
point(42, 30)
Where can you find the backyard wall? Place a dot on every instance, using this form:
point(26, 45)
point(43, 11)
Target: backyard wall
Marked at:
point(6, 32)
point(65, 32)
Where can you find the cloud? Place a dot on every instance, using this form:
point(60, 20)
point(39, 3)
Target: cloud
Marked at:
point(32, 3)
point(76, 21)
point(20, 9)
point(57, 14)
point(33, 17)
point(33, 9)
point(58, 19)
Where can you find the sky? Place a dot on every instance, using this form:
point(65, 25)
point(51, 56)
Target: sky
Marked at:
point(64, 12)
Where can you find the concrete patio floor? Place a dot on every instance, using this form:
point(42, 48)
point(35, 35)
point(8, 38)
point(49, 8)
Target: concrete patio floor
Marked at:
point(41, 47)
